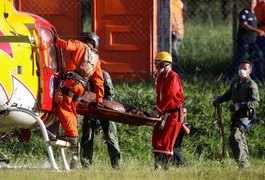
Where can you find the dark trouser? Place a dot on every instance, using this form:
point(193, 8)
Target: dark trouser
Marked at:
point(239, 146)
point(253, 51)
point(261, 43)
point(110, 134)
point(178, 157)
point(176, 41)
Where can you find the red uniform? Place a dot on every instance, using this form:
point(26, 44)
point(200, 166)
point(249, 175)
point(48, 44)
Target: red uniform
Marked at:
point(66, 110)
point(169, 99)
point(260, 14)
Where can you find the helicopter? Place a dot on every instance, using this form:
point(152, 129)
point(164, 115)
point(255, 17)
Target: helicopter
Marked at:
point(30, 64)
point(30, 71)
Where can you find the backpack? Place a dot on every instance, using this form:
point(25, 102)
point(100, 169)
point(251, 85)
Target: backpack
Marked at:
point(90, 59)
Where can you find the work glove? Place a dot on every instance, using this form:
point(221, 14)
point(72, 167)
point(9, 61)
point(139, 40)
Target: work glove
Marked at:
point(216, 101)
point(99, 105)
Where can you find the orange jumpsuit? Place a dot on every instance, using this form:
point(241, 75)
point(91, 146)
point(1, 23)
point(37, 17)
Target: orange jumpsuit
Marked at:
point(177, 17)
point(66, 111)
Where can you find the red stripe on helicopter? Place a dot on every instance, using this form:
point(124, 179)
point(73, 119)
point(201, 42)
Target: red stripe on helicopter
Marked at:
point(5, 47)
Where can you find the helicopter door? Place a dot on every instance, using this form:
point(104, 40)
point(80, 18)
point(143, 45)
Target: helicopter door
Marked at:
point(48, 68)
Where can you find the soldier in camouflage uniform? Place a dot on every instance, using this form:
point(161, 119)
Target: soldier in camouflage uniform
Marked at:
point(244, 95)
point(109, 128)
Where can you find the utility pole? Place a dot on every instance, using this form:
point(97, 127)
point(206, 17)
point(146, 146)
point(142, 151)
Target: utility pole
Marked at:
point(164, 26)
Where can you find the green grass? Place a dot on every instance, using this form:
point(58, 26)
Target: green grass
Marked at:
point(201, 148)
point(206, 169)
point(206, 51)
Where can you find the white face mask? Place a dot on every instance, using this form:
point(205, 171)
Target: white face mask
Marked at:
point(243, 73)
point(160, 71)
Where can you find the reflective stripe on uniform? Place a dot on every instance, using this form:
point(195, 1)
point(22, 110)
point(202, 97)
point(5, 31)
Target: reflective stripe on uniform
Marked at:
point(164, 152)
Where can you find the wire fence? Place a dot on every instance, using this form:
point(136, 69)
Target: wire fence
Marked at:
point(209, 43)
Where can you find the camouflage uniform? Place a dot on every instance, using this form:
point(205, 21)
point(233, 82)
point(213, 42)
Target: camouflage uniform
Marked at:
point(246, 94)
point(109, 128)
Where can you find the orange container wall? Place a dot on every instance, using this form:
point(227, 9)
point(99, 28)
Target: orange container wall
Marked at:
point(127, 31)
point(65, 15)
point(126, 36)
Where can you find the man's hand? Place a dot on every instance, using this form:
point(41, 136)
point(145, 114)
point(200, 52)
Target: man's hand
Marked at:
point(97, 105)
point(261, 33)
point(235, 107)
point(154, 113)
point(216, 101)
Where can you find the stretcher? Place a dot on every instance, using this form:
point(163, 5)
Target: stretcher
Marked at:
point(114, 111)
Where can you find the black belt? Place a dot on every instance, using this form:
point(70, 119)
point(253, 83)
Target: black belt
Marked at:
point(68, 92)
point(173, 110)
point(73, 75)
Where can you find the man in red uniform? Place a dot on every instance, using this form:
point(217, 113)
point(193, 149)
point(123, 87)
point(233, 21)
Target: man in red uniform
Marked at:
point(168, 103)
point(260, 14)
point(74, 88)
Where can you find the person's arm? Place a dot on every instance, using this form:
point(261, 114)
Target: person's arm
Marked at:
point(251, 28)
point(254, 102)
point(108, 86)
point(98, 81)
point(186, 129)
point(225, 97)
point(243, 20)
point(70, 45)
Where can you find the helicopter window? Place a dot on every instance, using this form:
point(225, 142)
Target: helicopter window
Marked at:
point(50, 50)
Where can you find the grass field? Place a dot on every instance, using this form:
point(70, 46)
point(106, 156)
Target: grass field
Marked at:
point(201, 148)
point(206, 169)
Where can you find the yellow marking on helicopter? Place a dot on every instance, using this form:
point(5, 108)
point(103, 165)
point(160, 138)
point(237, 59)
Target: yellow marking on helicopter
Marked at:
point(18, 49)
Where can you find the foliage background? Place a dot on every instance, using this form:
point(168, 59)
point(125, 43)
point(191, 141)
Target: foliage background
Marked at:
point(205, 53)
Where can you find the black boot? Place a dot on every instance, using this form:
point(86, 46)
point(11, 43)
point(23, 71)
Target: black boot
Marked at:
point(74, 148)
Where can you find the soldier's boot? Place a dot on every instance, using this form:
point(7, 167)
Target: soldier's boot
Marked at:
point(74, 148)
point(116, 162)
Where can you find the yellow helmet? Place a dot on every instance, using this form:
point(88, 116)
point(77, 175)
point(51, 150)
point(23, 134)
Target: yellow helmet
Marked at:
point(163, 56)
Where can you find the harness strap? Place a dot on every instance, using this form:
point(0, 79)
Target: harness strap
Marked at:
point(77, 98)
point(68, 92)
point(174, 110)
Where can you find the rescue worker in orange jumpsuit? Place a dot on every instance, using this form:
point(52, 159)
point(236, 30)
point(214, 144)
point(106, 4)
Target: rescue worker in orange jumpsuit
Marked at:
point(169, 100)
point(177, 30)
point(74, 88)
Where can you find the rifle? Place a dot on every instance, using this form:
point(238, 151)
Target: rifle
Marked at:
point(221, 128)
